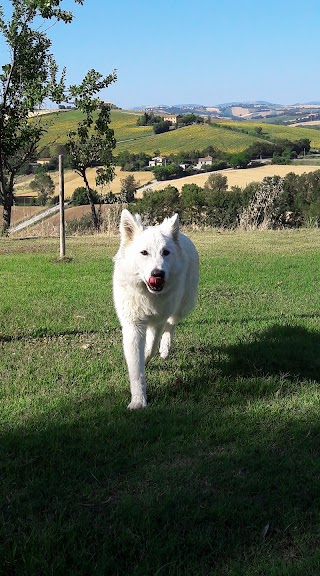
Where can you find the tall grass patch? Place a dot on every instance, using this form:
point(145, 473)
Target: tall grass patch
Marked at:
point(220, 475)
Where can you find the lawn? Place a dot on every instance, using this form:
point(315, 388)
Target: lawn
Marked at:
point(220, 475)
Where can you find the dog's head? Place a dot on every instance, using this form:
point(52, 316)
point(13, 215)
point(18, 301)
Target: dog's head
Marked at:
point(149, 253)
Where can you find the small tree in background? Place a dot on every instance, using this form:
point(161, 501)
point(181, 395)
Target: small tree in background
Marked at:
point(129, 186)
point(44, 186)
point(91, 144)
point(193, 203)
point(216, 183)
point(157, 204)
point(240, 160)
point(258, 213)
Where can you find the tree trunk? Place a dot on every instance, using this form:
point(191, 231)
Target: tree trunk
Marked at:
point(7, 208)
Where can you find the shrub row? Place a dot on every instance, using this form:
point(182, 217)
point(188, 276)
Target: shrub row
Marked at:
point(295, 203)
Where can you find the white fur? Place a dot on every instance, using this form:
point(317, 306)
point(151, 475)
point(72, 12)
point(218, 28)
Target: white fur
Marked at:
point(148, 318)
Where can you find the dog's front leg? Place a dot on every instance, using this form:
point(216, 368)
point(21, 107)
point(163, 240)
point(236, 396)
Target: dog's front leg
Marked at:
point(167, 337)
point(134, 338)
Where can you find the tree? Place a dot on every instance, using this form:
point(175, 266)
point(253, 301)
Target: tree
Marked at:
point(129, 187)
point(240, 160)
point(92, 142)
point(216, 182)
point(157, 204)
point(28, 78)
point(43, 184)
point(163, 126)
point(192, 203)
point(167, 172)
point(187, 119)
point(259, 212)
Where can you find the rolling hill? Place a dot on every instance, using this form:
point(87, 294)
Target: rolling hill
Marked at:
point(228, 136)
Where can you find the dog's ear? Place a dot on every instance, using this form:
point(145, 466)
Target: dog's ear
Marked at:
point(170, 226)
point(129, 226)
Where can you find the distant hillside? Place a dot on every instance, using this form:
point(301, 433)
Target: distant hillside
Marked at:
point(227, 136)
point(278, 113)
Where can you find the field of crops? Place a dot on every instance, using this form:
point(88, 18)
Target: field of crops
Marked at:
point(142, 139)
point(239, 178)
point(196, 137)
point(275, 131)
point(58, 124)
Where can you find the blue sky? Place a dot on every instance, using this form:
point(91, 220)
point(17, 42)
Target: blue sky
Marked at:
point(209, 52)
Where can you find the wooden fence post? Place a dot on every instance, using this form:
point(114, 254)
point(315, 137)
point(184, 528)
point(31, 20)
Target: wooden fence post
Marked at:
point(61, 201)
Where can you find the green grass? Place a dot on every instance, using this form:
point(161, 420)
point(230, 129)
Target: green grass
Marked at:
point(220, 475)
point(142, 139)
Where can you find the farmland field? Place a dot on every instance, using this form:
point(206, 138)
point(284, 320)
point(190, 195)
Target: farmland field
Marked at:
point(286, 132)
point(50, 226)
point(195, 137)
point(238, 177)
point(73, 181)
point(21, 213)
point(123, 123)
point(220, 475)
point(142, 139)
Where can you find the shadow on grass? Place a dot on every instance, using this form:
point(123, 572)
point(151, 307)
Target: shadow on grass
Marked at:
point(219, 486)
point(278, 355)
point(290, 351)
point(40, 333)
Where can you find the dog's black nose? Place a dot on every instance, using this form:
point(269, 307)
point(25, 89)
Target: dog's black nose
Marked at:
point(157, 273)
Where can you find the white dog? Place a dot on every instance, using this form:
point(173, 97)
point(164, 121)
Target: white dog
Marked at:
point(155, 284)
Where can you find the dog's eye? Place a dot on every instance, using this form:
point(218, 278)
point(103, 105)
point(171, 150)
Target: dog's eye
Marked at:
point(144, 252)
point(166, 252)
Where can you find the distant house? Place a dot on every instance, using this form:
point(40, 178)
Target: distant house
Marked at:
point(158, 161)
point(43, 161)
point(173, 118)
point(206, 161)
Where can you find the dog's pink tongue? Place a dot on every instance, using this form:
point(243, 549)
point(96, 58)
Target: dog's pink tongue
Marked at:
point(156, 282)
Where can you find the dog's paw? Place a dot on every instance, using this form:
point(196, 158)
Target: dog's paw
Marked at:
point(164, 351)
point(137, 403)
point(164, 355)
point(165, 346)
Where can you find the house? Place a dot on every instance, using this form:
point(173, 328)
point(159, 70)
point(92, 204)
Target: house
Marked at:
point(206, 161)
point(158, 161)
point(185, 165)
point(173, 118)
point(43, 161)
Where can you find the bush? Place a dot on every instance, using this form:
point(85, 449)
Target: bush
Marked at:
point(193, 205)
point(273, 203)
point(167, 172)
point(161, 127)
point(80, 198)
point(83, 225)
point(158, 204)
